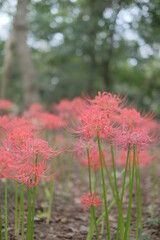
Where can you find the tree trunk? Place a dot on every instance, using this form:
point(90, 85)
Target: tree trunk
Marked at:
point(7, 64)
point(24, 55)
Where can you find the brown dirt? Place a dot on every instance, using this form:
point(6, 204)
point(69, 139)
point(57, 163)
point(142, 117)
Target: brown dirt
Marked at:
point(68, 219)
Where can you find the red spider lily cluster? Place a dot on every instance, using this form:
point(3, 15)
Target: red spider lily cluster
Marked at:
point(81, 148)
point(89, 200)
point(107, 119)
point(23, 156)
point(5, 104)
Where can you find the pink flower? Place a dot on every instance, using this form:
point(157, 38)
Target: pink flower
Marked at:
point(107, 102)
point(94, 158)
point(50, 121)
point(90, 200)
point(137, 137)
point(94, 122)
point(143, 156)
point(38, 148)
point(19, 136)
point(70, 109)
point(82, 146)
point(5, 104)
point(31, 174)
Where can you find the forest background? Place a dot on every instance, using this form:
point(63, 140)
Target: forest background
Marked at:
point(54, 49)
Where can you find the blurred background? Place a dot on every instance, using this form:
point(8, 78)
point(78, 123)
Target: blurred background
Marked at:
point(54, 49)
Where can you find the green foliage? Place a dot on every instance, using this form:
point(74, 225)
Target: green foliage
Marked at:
point(86, 46)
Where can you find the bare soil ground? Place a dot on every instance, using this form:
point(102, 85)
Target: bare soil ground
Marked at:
point(69, 221)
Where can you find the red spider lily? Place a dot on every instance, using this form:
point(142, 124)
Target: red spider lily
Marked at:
point(7, 163)
point(63, 106)
point(36, 107)
point(21, 122)
point(70, 109)
point(33, 111)
point(94, 122)
point(130, 117)
point(4, 122)
point(77, 106)
point(144, 158)
point(27, 163)
point(19, 136)
point(94, 158)
point(39, 149)
point(107, 102)
point(137, 137)
point(90, 200)
point(31, 174)
point(82, 146)
point(5, 104)
point(51, 121)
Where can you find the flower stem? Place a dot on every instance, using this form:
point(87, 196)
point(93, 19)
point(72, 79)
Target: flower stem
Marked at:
point(127, 229)
point(22, 209)
point(109, 179)
point(104, 189)
point(0, 223)
point(121, 219)
point(6, 235)
point(33, 212)
point(16, 209)
point(94, 218)
point(92, 207)
point(34, 200)
point(29, 215)
point(51, 190)
point(139, 193)
point(89, 172)
point(123, 187)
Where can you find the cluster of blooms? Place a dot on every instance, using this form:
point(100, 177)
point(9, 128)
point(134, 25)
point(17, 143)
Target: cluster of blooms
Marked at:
point(89, 200)
point(23, 156)
point(107, 117)
point(81, 148)
point(70, 109)
point(143, 158)
point(5, 104)
point(44, 119)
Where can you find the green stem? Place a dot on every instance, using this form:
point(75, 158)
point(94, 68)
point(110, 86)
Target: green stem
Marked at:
point(95, 181)
point(137, 202)
point(90, 189)
point(22, 209)
point(16, 208)
point(34, 200)
point(109, 179)
point(102, 224)
point(123, 187)
point(109, 208)
point(94, 218)
point(104, 189)
point(92, 207)
point(29, 215)
point(0, 222)
point(121, 219)
point(69, 175)
point(139, 191)
point(103, 214)
point(127, 230)
point(51, 190)
point(6, 235)
point(89, 172)
point(33, 212)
